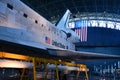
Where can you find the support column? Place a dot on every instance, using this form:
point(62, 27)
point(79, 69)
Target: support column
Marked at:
point(34, 69)
point(77, 74)
point(57, 74)
point(86, 73)
point(22, 75)
point(46, 72)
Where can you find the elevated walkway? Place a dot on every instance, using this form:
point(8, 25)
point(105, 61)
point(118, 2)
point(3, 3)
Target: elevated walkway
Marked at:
point(36, 61)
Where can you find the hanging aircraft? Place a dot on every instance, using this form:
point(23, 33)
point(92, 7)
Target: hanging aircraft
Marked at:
point(23, 31)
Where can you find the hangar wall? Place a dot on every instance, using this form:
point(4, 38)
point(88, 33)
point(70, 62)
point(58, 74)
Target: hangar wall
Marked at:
point(100, 36)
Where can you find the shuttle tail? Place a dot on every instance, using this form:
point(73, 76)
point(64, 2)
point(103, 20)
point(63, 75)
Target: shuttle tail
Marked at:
point(63, 22)
point(63, 25)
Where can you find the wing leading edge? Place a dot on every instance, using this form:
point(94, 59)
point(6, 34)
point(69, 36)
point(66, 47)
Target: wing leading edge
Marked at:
point(76, 55)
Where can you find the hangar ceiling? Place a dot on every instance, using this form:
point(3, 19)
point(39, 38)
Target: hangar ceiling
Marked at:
point(54, 9)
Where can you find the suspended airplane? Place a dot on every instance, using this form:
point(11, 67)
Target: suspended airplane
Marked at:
point(23, 31)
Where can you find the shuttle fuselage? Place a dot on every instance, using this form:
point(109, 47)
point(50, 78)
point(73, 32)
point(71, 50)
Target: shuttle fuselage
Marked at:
point(22, 25)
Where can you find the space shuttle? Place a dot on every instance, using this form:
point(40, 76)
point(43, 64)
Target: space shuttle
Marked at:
point(23, 31)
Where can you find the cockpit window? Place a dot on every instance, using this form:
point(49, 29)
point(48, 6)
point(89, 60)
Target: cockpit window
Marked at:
point(25, 15)
point(9, 6)
point(36, 21)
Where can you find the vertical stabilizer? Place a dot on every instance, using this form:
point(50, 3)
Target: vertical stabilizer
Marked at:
point(62, 23)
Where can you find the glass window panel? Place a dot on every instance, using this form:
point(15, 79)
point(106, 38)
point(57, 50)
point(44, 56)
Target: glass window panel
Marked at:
point(71, 25)
point(118, 26)
point(102, 23)
point(94, 23)
point(89, 24)
point(110, 24)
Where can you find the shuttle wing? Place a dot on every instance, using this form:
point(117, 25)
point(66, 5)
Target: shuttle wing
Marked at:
point(53, 53)
point(79, 55)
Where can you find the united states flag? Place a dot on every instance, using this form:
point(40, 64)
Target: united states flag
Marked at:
point(82, 31)
point(47, 40)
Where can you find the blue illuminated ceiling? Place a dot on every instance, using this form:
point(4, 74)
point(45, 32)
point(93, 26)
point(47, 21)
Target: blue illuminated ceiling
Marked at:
point(54, 9)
